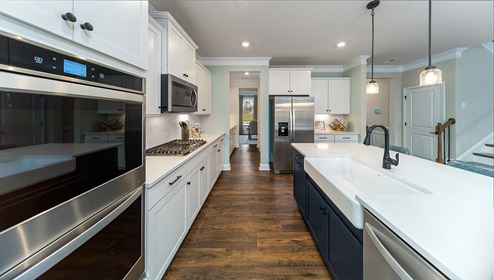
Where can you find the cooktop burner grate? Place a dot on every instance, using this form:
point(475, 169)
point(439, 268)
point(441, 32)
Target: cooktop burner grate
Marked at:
point(176, 147)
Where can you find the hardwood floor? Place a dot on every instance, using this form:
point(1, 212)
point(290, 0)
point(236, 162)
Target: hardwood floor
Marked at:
point(249, 228)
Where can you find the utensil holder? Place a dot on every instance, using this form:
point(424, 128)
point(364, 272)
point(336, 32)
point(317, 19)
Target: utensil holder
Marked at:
point(185, 135)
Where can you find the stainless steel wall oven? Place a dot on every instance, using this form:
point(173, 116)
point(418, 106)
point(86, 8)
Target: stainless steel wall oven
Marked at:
point(71, 166)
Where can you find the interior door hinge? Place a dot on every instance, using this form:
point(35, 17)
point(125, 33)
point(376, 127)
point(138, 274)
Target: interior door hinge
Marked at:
point(405, 97)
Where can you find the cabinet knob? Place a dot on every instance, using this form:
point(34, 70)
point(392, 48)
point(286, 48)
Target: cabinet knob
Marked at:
point(202, 168)
point(185, 75)
point(69, 16)
point(329, 110)
point(87, 26)
point(204, 109)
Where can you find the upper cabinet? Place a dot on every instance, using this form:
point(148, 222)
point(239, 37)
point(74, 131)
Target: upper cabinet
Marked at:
point(153, 75)
point(203, 82)
point(114, 28)
point(179, 50)
point(284, 81)
point(332, 95)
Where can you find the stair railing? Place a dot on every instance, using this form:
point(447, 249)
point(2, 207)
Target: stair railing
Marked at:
point(441, 149)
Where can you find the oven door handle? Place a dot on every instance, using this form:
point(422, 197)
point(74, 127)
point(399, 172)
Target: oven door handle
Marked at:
point(62, 247)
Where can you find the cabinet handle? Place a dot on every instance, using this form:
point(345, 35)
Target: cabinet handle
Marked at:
point(215, 146)
point(87, 26)
point(346, 137)
point(174, 181)
point(185, 75)
point(323, 137)
point(219, 150)
point(69, 16)
point(222, 139)
point(202, 168)
point(203, 109)
point(188, 183)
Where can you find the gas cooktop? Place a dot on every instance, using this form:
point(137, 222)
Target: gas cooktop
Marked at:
point(175, 148)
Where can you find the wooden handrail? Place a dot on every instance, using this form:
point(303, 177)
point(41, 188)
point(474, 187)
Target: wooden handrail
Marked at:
point(440, 128)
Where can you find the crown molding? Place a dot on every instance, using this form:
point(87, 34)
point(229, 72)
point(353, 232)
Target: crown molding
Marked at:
point(386, 68)
point(235, 61)
point(360, 60)
point(444, 56)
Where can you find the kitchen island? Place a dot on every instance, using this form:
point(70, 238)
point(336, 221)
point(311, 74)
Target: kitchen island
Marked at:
point(450, 223)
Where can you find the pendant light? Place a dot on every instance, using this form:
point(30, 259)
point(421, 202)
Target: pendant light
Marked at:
point(431, 74)
point(372, 87)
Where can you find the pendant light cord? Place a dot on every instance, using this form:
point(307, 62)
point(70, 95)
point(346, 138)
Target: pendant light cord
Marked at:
point(430, 31)
point(372, 59)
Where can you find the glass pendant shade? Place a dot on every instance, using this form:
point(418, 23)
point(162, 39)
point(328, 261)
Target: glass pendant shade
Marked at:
point(372, 88)
point(431, 76)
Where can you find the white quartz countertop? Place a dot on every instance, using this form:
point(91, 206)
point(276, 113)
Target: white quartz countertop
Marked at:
point(158, 167)
point(453, 227)
point(317, 131)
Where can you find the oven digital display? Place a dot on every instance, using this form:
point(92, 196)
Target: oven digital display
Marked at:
point(74, 68)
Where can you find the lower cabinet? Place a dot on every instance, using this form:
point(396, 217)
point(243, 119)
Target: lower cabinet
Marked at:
point(204, 180)
point(299, 184)
point(339, 243)
point(193, 196)
point(167, 227)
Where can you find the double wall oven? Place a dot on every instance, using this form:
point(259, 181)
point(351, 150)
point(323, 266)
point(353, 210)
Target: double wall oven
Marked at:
point(70, 206)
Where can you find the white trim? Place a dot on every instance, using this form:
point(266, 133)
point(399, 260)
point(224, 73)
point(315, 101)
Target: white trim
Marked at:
point(489, 46)
point(160, 16)
point(313, 68)
point(360, 60)
point(235, 61)
point(386, 68)
point(444, 56)
point(226, 167)
point(264, 167)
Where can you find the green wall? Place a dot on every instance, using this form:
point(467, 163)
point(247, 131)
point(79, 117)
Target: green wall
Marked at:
point(357, 117)
point(219, 120)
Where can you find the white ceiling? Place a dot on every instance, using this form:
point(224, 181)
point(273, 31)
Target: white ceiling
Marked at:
point(306, 32)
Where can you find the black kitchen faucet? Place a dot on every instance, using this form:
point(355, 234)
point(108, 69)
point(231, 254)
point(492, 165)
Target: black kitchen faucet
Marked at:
point(387, 160)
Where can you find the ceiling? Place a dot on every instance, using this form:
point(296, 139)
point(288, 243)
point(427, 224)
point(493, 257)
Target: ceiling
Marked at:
point(306, 32)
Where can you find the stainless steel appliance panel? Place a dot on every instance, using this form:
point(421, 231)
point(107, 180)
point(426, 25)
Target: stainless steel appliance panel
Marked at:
point(282, 133)
point(293, 118)
point(387, 257)
point(303, 120)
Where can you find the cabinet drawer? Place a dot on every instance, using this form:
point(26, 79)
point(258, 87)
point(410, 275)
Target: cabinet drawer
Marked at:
point(116, 138)
point(197, 159)
point(158, 191)
point(96, 138)
point(346, 138)
point(324, 138)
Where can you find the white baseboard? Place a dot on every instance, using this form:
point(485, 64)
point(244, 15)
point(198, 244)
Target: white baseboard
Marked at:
point(264, 167)
point(226, 167)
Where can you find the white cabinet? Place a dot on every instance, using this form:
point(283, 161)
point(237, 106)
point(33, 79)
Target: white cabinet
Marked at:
point(216, 160)
point(233, 138)
point(336, 138)
point(289, 81)
point(193, 196)
point(204, 179)
point(114, 28)
point(221, 155)
point(153, 74)
point(179, 51)
point(203, 83)
point(109, 137)
point(166, 228)
point(332, 95)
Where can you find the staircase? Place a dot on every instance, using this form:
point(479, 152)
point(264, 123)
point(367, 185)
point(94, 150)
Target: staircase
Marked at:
point(479, 159)
point(485, 155)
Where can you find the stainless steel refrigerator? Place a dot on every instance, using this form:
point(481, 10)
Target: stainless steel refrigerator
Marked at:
point(291, 121)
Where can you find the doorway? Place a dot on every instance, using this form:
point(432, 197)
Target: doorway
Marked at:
point(244, 106)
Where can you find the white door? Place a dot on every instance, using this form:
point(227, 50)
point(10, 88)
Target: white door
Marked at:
point(339, 96)
point(423, 109)
point(279, 82)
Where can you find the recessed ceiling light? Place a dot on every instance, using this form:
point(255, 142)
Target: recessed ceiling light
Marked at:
point(245, 44)
point(341, 44)
point(246, 73)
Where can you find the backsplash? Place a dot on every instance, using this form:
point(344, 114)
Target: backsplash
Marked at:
point(329, 118)
point(164, 128)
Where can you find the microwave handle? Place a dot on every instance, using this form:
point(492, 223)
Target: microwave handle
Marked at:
point(194, 98)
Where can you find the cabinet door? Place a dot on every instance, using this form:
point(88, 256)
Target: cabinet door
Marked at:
point(120, 28)
point(339, 96)
point(153, 81)
point(317, 212)
point(42, 14)
point(300, 82)
point(213, 167)
point(279, 82)
point(221, 156)
point(205, 100)
point(193, 197)
point(345, 254)
point(188, 62)
point(174, 54)
point(320, 92)
point(299, 187)
point(204, 180)
point(166, 228)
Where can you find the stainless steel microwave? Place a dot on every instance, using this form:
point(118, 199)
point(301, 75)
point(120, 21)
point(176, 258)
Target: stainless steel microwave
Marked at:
point(177, 95)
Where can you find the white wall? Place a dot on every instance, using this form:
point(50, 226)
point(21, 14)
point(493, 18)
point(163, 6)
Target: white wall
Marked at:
point(378, 101)
point(164, 128)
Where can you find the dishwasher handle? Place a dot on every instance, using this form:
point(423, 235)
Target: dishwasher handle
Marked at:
point(385, 254)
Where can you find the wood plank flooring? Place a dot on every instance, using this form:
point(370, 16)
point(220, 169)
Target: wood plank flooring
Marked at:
point(249, 228)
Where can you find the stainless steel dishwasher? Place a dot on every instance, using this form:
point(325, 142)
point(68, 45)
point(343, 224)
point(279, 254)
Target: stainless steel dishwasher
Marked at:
point(386, 256)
